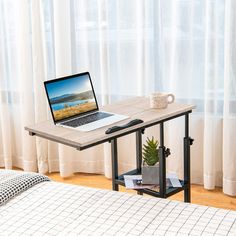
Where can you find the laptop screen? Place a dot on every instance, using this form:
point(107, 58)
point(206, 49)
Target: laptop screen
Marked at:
point(71, 96)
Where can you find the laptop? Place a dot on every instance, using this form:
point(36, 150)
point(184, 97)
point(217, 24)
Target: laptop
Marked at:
point(73, 103)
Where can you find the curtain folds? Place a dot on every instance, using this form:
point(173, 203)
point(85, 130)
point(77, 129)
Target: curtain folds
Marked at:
point(229, 119)
point(130, 48)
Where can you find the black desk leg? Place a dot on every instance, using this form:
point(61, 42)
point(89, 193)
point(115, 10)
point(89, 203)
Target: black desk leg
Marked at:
point(187, 143)
point(139, 153)
point(114, 160)
point(162, 163)
point(138, 150)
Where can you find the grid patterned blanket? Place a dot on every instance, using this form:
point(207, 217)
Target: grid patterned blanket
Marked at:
point(14, 182)
point(51, 208)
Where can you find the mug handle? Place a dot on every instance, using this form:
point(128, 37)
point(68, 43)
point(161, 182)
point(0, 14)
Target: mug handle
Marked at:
point(172, 96)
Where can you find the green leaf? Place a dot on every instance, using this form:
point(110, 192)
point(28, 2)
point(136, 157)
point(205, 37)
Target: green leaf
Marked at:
point(150, 151)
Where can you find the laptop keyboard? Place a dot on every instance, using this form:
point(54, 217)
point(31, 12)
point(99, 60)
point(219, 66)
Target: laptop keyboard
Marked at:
point(86, 119)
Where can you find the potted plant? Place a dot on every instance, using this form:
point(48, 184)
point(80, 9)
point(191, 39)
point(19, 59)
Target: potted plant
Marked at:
point(150, 168)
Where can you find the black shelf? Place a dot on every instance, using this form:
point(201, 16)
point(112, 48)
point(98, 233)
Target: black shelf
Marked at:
point(162, 192)
point(169, 191)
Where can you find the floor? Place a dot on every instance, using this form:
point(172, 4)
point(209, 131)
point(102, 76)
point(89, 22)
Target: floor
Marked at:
point(199, 195)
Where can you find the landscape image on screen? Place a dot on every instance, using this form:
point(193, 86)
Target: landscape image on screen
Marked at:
point(71, 97)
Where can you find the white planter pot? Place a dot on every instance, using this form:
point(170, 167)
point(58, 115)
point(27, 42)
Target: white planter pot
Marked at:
point(150, 174)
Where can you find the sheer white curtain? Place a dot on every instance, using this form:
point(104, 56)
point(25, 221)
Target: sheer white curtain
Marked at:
point(130, 48)
point(229, 119)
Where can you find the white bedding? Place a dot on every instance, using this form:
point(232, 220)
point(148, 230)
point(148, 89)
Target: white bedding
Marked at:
point(52, 208)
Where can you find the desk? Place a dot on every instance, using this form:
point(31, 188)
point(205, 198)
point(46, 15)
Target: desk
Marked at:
point(135, 108)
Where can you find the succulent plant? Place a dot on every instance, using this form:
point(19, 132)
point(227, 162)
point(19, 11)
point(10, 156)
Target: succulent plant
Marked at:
point(150, 152)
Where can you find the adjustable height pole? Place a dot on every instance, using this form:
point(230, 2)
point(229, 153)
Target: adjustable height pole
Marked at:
point(187, 142)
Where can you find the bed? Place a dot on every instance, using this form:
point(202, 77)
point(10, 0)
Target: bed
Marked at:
point(52, 208)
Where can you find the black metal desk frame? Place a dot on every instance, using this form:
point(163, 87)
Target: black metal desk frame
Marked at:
point(119, 180)
point(163, 193)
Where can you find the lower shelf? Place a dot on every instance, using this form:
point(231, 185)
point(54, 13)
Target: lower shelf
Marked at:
point(169, 191)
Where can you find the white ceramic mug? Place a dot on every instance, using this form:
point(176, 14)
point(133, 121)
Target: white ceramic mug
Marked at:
point(161, 100)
